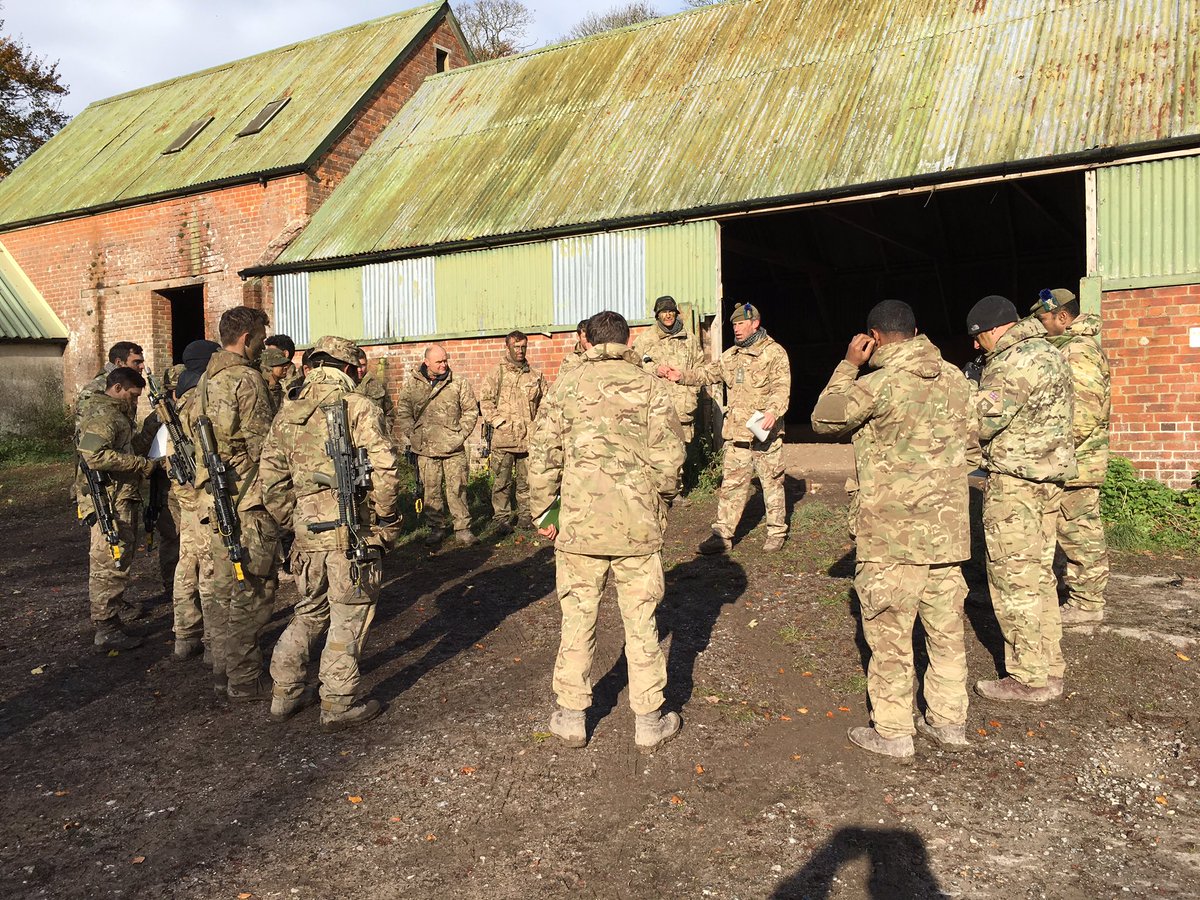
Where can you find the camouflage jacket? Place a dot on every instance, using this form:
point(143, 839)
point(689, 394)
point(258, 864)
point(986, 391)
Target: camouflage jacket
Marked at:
point(189, 495)
point(107, 442)
point(915, 440)
point(1025, 407)
point(375, 390)
point(681, 350)
point(436, 419)
point(294, 453)
point(233, 395)
point(509, 398)
point(1092, 396)
point(91, 390)
point(759, 378)
point(609, 441)
point(571, 361)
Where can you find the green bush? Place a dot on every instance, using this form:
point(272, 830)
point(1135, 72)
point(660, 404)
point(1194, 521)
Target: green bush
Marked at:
point(1144, 514)
point(702, 468)
point(45, 432)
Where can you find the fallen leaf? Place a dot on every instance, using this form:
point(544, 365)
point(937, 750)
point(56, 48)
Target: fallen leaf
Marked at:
point(355, 799)
point(803, 710)
point(1160, 800)
point(753, 623)
point(138, 860)
point(467, 770)
point(699, 770)
point(844, 708)
point(345, 752)
point(431, 837)
point(40, 670)
point(516, 659)
point(1030, 733)
point(114, 652)
point(479, 646)
point(829, 715)
point(994, 723)
point(245, 895)
point(780, 670)
point(785, 718)
point(795, 756)
point(713, 698)
point(807, 674)
point(1020, 765)
point(61, 793)
point(981, 731)
point(676, 800)
point(1183, 656)
point(394, 819)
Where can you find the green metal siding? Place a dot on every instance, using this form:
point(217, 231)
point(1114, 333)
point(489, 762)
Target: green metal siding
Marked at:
point(335, 303)
point(24, 313)
point(684, 261)
point(1148, 219)
point(495, 290)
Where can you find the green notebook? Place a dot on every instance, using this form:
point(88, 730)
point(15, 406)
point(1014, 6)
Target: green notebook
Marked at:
point(550, 516)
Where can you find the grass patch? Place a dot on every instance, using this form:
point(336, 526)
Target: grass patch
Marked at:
point(792, 635)
point(44, 431)
point(702, 468)
point(841, 598)
point(853, 684)
point(1144, 514)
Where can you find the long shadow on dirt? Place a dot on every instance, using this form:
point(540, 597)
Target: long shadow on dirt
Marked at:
point(794, 490)
point(898, 859)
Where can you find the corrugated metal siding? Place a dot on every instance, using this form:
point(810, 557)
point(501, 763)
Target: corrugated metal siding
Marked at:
point(757, 100)
point(335, 303)
point(1148, 219)
point(597, 272)
point(399, 299)
point(495, 290)
point(684, 261)
point(291, 306)
point(112, 151)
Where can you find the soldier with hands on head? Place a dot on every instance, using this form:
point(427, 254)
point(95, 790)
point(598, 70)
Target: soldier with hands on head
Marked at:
point(301, 487)
point(668, 343)
point(607, 441)
point(1080, 527)
point(509, 400)
point(913, 426)
point(757, 373)
point(1025, 419)
point(437, 413)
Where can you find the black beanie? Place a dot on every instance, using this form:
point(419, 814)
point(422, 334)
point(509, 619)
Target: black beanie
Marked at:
point(990, 312)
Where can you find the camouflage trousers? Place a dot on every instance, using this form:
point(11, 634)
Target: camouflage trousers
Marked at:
point(892, 596)
point(742, 463)
point(507, 468)
point(193, 593)
point(166, 542)
point(639, 583)
point(450, 474)
point(1019, 519)
point(1081, 538)
point(243, 607)
point(107, 577)
point(329, 602)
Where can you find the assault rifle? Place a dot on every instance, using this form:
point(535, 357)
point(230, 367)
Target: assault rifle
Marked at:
point(351, 482)
point(183, 456)
point(974, 369)
point(488, 431)
point(220, 485)
point(418, 485)
point(102, 510)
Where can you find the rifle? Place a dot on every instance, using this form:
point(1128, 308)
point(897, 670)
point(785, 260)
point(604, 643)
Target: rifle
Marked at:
point(102, 510)
point(351, 482)
point(488, 431)
point(220, 485)
point(974, 369)
point(418, 485)
point(153, 508)
point(183, 458)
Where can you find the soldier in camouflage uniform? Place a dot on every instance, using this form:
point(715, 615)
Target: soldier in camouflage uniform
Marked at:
point(106, 444)
point(759, 379)
point(437, 412)
point(574, 359)
point(1025, 412)
point(122, 354)
point(667, 342)
point(330, 601)
point(374, 388)
point(1080, 526)
point(509, 400)
point(275, 367)
point(234, 396)
point(914, 432)
point(608, 440)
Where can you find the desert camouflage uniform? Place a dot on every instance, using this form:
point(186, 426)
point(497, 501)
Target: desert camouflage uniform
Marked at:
point(193, 601)
point(293, 454)
point(91, 390)
point(437, 418)
point(1080, 527)
point(682, 351)
point(1025, 412)
point(915, 440)
point(608, 440)
point(510, 395)
point(571, 361)
point(374, 389)
point(233, 395)
point(759, 378)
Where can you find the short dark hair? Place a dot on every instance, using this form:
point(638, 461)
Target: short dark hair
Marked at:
point(283, 342)
point(581, 328)
point(362, 355)
point(126, 377)
point(1072, 309)
point(608, 327)
point(238, 321)
point(119, 352)
point(892, 317)
point(513, 336)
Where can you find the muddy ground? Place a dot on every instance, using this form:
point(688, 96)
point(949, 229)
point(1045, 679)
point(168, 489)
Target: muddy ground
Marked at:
point(121, 776)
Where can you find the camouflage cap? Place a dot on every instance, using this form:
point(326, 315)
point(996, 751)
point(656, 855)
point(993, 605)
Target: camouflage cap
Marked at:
point(745, 312)
point(273, 356)
point(1052, 300)
point(339, 348)
point(665, 303)
point(171, 376)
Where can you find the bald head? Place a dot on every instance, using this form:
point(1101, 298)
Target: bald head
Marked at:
point(436, 360)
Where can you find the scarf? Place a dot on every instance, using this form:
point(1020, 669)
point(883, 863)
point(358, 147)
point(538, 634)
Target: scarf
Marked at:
point(753, 339)
point(674, 329)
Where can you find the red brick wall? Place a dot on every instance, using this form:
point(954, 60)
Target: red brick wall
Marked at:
point(1155, 380)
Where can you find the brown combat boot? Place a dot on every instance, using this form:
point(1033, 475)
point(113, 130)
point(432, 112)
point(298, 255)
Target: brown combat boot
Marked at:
point(111, 636)
point(1055, 687)
point(1009, 689)
point(570, 727)
point(220, 686)
point(502, 528)
point(466, 537)
point(871, 740)
point(283, 708)
point(131, 612)
point(714, 544)
point(949, 737)
point(259, 689)
point(339, 720)
point(435, 537)
point(652, 730)
point(1074, 615)
point(186, 648)
point(774, 544)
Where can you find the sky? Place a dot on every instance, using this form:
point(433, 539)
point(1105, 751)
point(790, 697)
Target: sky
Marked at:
point(107, 47)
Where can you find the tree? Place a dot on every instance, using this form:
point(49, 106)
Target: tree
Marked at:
point(696, 4)
point(618, 17)
point(30, 92)
point(494, 28)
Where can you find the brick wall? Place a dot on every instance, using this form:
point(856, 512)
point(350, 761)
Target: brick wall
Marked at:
point(1155, 380)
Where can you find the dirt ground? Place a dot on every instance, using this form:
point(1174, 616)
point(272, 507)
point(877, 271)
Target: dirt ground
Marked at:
point(121, 776)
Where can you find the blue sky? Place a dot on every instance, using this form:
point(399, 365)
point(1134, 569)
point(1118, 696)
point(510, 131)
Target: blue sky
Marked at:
point(106, 47)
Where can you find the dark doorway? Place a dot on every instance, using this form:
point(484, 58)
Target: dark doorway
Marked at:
point(816, 272)
point(187, 317)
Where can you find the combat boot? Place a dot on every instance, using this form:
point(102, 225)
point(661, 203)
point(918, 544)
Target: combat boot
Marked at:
point(435, 537)
point(260, 688)
point(948, 737)
point(569, 726)
point(466, 537)
point(283, 708)
point(652, 730)
point(1074, 615)
point(773, 544)
point(110, 636)
point(714, 544)
point(1008, 689)
point(525, 523)
point(1055, 687)
point(871, 740)
point(186, 648)
point(502, 529)
point(339, 720)
point(220, 686)
point(131, 612)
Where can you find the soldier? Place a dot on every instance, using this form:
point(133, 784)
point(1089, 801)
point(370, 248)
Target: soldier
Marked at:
point(1080, 527)
point(106, 445)
point(608, 441)
point(1025, 410)
point(509, 400)
point(437, 412)
point(275, 366)
point(375, 389)
point(572, 360)
point(915, 439)
point(333, 597)
point(233, 395)
point(121, 354)
point(667, 342)
point(759, 379)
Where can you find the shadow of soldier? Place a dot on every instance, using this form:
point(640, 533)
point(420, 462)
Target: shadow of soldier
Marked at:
point(978, 607)
point(755, 511)
point(899, 866)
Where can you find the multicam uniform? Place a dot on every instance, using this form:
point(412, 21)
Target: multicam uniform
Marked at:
point(193, 600)
point(681, 350)
point(509, 399)
point(571, 361)
point(1025, 414)
point(914, 434)
point(608, 439)
point(375, 390)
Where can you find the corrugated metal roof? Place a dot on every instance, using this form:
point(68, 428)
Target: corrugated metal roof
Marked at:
point(112, 152)
point(24, 313)
point(758, 100)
